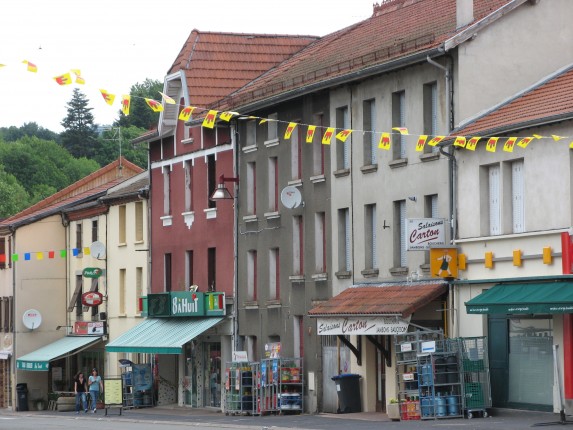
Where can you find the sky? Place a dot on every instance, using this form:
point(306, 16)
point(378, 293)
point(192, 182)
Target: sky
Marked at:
point(118, 43)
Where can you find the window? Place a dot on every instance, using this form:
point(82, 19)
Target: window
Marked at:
point(94, 230)
point(251, 188)
point(272, 127)
point(297, 245)
point(370, 251)
point(400, 234)
point(188, 186)
point(251, 133)
point(298, 335)
point(189, 268)
point(212, 269)
point(320, 242)
point(430, 211)
point(252, 275)
point(122, 225)
point(370, 145)
point(318, 147)
point(517, 195)
point(494, 200)
point(4, 252)
point(296, 149)
point(79, 241)
point(78, 296)
point(167, 190)
point(6, 318)
point(167, 272)
point(431, 113)
point(342, 149)
point(398, 120)
point(274, 273)
point(344, 240)
point(121, 291)
point(138, 286)
point(273, 184)
point(211, 180)
point(139, 221)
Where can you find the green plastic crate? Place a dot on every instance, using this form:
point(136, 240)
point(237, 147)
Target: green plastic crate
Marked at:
point(474, 395)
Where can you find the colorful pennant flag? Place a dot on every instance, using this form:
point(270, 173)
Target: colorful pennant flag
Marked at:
point(402, 130)
point(125, 104)
point(327, 136)
point(210, 118)
point(472, 143)
point(290, 128)
point(39, 255)
point(310, 133)
point(557, 138)
point(538, 136)
point(27, 256)
point(384, 142)
point(30, 66)
point(51, 254)
point(421, 142)
point(154, 105)
point(63, 253)
point(226, 116)
point(186, 112)
point(525, 141)
point(75, 252)
point(79, 79)
point(343, 135)
point(86, 250)
point(435, 140)
point(167, 99)
point(491, 144)
point(460, 141)
point(508, 145)
point(262, 121)
point(109, 98)
point(15, 257)
point(65, 79)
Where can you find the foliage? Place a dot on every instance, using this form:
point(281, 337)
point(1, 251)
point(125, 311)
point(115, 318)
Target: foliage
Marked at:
point(115, 138)
point(12, 134)
point(140, 115)
point(79, 136)
point(13, 196)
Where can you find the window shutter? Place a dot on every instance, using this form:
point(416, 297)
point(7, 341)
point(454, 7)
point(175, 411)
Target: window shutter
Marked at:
point(347, 238)
point(373, 141)
point(517, 196)
point(494, 203)
point(402, 107)
point(434, 206)
point(374, 248)
point(403, 261)
point(346, 125)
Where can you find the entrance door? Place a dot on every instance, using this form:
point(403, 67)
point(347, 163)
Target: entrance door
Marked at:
point(381, 374)
point(212, 374)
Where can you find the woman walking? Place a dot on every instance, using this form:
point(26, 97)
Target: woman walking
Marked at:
point(96, 387)
point(80, 388)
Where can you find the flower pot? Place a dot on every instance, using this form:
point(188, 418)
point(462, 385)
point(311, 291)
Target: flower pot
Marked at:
point(393, 411)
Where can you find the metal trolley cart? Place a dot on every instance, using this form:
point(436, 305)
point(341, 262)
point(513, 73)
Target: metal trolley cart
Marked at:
point(475, 375)
point(241, 391)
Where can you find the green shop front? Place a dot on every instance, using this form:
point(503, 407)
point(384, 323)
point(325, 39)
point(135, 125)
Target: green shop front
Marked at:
point(185, 338)
point(529, 328)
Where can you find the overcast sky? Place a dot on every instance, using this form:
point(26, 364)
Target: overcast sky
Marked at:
point(117, 43)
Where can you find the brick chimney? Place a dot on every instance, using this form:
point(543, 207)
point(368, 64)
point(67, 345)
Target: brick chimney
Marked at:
point(464, 12)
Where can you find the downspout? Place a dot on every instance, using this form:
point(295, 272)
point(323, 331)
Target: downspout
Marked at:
point(452, 169)
point(13, 401)
point(235, 322)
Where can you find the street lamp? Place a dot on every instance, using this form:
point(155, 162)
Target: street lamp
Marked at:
point(221, 192)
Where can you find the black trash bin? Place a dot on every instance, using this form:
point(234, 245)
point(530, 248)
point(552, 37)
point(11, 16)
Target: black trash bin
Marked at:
point(348, 390)
point(22, 394)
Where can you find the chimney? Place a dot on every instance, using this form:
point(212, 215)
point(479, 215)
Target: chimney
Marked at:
point(464, 12)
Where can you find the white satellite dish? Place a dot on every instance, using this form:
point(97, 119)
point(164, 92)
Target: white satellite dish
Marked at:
point(97, 249)
point(291, 197)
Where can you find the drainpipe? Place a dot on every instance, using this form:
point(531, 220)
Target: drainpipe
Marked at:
point(235, 149)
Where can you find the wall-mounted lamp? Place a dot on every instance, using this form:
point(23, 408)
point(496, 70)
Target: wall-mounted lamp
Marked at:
point(412, 198)
point(221, 192)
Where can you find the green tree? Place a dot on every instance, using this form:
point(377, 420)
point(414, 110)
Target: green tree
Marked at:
point(13, 196)
point(79, 136)
point(12, 134)
point(118, 139)
point(140, 114)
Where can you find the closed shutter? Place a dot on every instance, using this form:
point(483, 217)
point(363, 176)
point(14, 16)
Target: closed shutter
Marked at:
point(517, 196)
point(347, 238)
point(402, 108)
point(402, 209)
point(434, 206)
point(77, 292)
point(374, 248)
point(346, 125)
point(373, 142)
point(434, 113)
point(494, 201)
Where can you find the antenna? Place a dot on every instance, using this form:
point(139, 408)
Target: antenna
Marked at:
point(291, 197)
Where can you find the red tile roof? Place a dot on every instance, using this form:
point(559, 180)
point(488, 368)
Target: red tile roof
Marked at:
point(384, 299)
point(548, 100)
point(397, 29)
point(216, 64)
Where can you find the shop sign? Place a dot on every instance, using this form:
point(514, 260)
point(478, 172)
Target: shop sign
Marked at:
point(421, 233)
point(186, 304)
point(92, 298)
point(240, 357)
point(33, 365)
point(92, 272)
point(361, 326)
point(89, 327)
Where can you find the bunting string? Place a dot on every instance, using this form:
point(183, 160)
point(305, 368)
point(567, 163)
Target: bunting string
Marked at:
point(43, 255)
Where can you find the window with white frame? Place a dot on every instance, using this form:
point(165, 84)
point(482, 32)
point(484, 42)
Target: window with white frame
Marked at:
point(400, 259)
point(122, 237)
point(274, 274)
point(167, 272)
point(252, 275)
point(431, 113)
point(320, 242)
point(138, 286)
point(344, 263)
point(296, 151)
point(318, 147)
point(188, 190)
point(430, 211)
point(370, 145)
point(139, 221)
point(343, 148)
point(251, 137)
point(517, 196)
point(121, 298)
point(273, 181)
point(251, 188)
point(167, 190)
point(297, 245)
point(211, 179)
point(370, 251)
point(272, 126)
point(494, 182)
point(398, 120)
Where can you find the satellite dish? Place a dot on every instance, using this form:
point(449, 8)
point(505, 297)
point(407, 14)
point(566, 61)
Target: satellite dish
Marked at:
point(291, 197)
point(97, 249)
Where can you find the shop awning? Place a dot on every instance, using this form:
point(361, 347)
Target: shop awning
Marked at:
point(161, 335)
point(5, 355)
point(40, 358)
point(534, 298)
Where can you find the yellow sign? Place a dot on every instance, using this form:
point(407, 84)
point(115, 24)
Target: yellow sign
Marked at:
point(112, 392)
point(444, 262)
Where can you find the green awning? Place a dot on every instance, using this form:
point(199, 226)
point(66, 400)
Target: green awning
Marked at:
point(535, 298)
point(161, 335)
point(40, 359)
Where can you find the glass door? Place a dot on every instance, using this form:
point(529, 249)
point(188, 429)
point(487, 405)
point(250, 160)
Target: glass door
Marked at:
point(212, 374)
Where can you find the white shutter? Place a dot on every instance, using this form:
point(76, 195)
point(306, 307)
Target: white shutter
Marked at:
point(434, 206)
point(402, 108)
point(373, 142)
point(402, 210)
point(346, 125)
point(347, 238)
point(374, 248)
point(517, 196)
point(494, 201)
point(434, 113)
point(294, 150)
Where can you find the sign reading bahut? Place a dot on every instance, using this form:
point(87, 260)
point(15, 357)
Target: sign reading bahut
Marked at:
point(361, 325)
point(422, 233)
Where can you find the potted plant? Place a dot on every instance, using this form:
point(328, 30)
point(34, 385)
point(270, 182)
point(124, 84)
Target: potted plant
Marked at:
point(393, 409)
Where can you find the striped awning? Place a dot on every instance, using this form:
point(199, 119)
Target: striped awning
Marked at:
point(39, 360)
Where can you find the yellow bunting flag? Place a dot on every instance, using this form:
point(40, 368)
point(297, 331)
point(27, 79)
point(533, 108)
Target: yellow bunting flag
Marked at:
point(538, 136)
point(343, 135)
point(30, 66)
point(327, 136)
point(421, 142)
point(186, 113)
point(435, 140)
point(65, 79)
point(571, 145)
point(262, 121)
point(125, 104)
point(290, 128)
point(109, 98)
point(402, 130)
point(226, 116)
point(525, 141)
point(491, 144)
point(509, 144)
point(39, 255)
point(384, 142)
point(310, 133)
point(2, 65)
point(167, 99)
point(210, 118)
point(472, 143)
point(79, 79)
point(86, 250)
point(557, 138)
point(154, 105)
point(460, 141)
